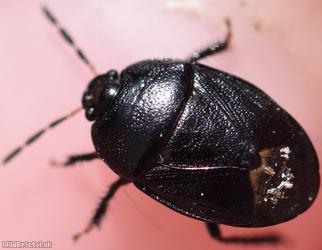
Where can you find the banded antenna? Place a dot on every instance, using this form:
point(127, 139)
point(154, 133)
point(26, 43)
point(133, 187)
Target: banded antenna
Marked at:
point(38, 134)
point(67, 37)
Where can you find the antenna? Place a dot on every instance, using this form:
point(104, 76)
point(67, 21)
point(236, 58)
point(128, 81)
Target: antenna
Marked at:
point(67, 37)
point(38, 134)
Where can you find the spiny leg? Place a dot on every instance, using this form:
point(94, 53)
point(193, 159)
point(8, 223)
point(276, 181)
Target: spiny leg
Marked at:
point(213, 48)
point(67, 37)
point(263, 239)
point(214, 230)
point(73, 159)
point(37, 135)
point(101, 209)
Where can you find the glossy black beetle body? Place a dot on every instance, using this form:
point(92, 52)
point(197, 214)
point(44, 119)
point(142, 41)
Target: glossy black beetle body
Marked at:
point(204, 143)
point(198, 140)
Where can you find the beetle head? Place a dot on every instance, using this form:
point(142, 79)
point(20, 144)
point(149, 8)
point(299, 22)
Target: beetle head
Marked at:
point(100, 94)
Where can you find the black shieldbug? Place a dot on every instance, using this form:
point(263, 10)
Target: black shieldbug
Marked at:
point(200, 141)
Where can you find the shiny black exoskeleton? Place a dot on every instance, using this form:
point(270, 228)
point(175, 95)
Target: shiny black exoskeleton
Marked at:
point(204, 143)
point(198, 140)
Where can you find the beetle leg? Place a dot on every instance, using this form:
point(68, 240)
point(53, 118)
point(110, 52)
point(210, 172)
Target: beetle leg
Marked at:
point(101, 209)
point(215, 233)
point(213, 48)
point(214, 230)
point(73, 159)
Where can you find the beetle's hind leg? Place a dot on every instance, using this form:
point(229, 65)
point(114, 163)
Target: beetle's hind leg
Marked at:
point(215, 233)
point(73, 159)
point(101, 209)
point(213, 48)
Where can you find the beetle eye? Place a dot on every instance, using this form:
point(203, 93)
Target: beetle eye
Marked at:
point(110, 93)
point(87, 99)
point(90, 114)
point(112, 75)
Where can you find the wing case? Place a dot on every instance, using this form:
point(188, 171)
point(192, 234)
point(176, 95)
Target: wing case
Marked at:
point(234, 157)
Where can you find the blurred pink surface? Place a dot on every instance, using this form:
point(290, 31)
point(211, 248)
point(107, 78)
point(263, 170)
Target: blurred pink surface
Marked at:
point(276, 45)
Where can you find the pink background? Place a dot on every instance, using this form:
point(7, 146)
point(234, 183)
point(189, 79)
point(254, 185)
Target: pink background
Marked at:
point(276, 45)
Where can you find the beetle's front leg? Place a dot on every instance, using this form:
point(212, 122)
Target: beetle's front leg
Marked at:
point(101, 209)
point(215, 233)
point(213, 48)
point(73, 159)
